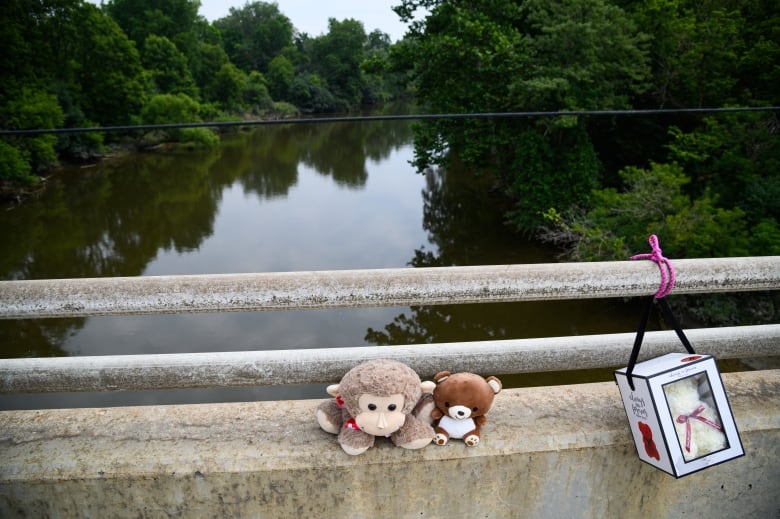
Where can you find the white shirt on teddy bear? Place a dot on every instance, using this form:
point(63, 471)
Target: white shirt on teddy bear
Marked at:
point(456, 428)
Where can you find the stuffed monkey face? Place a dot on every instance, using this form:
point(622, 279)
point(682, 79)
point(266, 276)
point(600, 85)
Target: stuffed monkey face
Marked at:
point(379, 394)
point(380, 415)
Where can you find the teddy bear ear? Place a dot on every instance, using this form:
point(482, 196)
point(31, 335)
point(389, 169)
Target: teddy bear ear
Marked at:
point(428, 386)
point(441, 376)
point(333, 390)
point(494, 384)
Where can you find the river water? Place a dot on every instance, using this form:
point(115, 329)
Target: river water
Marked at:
point(322, 196)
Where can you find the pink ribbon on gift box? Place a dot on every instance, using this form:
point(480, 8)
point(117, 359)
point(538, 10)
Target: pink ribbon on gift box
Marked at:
point(686, 419)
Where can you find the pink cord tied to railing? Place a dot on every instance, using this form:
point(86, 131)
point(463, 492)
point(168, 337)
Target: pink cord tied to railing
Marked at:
point(667, 284)
point(664, 265)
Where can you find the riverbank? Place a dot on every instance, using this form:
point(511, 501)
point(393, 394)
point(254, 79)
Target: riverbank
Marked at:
point(15, 192)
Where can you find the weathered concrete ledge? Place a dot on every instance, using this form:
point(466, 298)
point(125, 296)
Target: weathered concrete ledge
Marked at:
point(325, 365)
point(43, 298)
point(562, 451)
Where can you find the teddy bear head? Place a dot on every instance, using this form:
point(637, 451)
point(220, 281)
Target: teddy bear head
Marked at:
point(695, 417)
point(682, 395)
point(464, 395)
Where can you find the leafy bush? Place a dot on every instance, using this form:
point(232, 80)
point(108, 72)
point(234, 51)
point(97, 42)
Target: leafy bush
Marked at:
point(33, 110)
point(167, 66)
point(653, 202)
point(198, 138)
point(171, 108)
point(174, 108)
point(256, 95)
point(281, 73)
point(227, 87)
point(310, 95)
point(77, 145)
point(282, 110)
point(14, 167)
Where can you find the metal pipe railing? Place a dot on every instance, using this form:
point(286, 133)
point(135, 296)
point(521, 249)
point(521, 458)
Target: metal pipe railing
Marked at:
point(310, 366)
point(373, 288)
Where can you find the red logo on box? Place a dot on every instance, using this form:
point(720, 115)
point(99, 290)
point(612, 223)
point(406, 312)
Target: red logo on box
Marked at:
point(647, 439)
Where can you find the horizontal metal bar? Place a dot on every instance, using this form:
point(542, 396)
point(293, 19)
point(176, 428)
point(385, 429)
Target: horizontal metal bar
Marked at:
point(372, 288)
point(388, 117)
point(312, 366)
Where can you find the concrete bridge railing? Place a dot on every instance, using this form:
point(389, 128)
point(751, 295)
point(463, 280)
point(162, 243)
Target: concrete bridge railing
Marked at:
point(562, 451)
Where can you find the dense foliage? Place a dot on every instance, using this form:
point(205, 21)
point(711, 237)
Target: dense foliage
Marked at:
point(70, 63)
point(708, 185)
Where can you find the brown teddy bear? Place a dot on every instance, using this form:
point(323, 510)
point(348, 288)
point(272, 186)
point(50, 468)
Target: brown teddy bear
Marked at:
point(377, 398)
point(462, 400)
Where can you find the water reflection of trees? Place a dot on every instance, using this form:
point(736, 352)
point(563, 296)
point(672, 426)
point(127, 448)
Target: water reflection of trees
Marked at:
point(36, 337)
point(268, 158)
point(113, 219)
point(106, 221)
point(367, 140)
point(456, 217)
point(464, 221)
point(265, 161)
point(465, 224)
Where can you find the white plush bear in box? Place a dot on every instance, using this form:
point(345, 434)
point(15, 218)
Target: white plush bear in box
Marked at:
point(697, 421)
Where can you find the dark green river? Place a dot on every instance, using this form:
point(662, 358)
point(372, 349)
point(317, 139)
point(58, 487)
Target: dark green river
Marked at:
point(320, 196)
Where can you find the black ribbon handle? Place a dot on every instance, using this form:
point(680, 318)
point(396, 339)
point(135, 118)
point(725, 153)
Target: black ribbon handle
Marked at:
point(640, 334)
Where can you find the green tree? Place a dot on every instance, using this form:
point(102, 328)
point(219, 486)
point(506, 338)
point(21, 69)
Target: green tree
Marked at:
point(256, 95)
point(228, 86)
point(759, 65)
point(32, 110)
point(171, 108)
point(280, 77)
point(167, 66)
point(498, 56)
point(177, 108)
point(13, 167)
point(375, 66)
point(64, 62)
point(735, 155)
point(584, 54)
point(309, 94)
point(208, 60)
point(695, 49)
point(654, 202)
point(71, 48)
point(377, 42)
point(18, 40)
point(140, 18)
point(254, 34)
point(545, 174)
point(336, 57)
point(713, 53)
point(107, 69)
point(77, 146)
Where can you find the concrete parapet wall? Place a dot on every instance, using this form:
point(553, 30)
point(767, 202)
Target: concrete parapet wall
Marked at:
point(563, 451)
